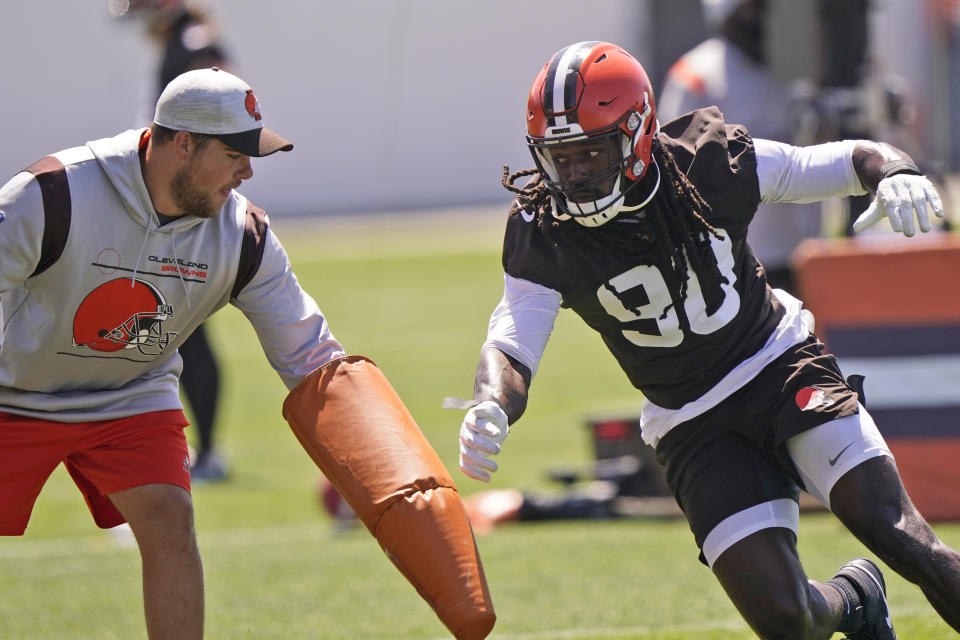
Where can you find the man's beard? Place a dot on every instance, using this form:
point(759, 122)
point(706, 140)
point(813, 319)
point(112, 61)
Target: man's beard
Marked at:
point(189, 198)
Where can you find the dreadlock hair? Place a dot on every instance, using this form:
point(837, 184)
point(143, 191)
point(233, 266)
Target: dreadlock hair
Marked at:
point(532, 197)
point(675, 225)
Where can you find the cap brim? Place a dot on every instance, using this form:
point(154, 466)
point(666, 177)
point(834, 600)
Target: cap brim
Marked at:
point(256, 142)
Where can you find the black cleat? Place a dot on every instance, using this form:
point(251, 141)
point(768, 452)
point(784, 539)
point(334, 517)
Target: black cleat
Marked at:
point(869, 585)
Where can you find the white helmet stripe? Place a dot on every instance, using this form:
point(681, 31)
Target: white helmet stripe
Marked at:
point(562, 73)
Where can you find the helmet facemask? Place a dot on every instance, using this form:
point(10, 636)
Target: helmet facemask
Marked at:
point(143, 331)
point(589, 173)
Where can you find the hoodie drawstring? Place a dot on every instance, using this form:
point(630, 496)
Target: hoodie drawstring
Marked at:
point(176, 261)
point(143, 246)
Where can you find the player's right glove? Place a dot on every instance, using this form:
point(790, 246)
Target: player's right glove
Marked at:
point(482, 431)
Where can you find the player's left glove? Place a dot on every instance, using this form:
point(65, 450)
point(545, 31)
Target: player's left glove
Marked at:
point(897, 198)
point(482, 431)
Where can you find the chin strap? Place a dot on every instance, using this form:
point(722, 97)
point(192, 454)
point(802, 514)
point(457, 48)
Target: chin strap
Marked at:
point(653, 191)
point(596, 219)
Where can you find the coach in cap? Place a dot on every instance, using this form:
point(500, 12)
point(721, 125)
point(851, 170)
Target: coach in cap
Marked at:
point(111, 253)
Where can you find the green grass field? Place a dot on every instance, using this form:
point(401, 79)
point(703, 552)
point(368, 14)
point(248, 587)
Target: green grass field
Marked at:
point(413, 294)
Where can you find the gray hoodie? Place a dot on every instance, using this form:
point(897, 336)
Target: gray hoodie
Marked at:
point(95, 335)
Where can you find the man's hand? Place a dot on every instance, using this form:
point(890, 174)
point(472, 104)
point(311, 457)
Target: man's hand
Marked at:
point(482, 431)
point(897, 198)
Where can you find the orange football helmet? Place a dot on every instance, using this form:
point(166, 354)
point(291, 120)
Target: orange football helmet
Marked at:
point(591, 119)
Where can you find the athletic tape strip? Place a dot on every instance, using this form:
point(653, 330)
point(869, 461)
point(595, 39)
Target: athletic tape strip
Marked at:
point(459, 403)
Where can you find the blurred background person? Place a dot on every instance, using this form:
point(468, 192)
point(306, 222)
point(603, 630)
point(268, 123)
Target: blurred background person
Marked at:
point(186, 37)
point(848, 91)
point(730, 71)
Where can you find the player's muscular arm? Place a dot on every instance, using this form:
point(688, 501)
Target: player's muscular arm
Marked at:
point(500, 393)
point(522, 322)
point(874, 161)
point(504, 380)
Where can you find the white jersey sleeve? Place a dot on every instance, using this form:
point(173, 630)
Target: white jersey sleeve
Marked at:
point(293, 332)
point(522, 322)
point(806, 174)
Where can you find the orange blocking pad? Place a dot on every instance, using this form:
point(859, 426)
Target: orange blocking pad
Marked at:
point(356, 429)
point(889, 308)
point(870, 281)
point(930, 464)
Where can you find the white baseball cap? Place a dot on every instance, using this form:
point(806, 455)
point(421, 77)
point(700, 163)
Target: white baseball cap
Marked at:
point(219, 104)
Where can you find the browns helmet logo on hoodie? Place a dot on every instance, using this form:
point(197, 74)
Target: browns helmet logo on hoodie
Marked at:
point(125, 313)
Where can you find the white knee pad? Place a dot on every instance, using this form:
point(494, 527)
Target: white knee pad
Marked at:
point(823, 454)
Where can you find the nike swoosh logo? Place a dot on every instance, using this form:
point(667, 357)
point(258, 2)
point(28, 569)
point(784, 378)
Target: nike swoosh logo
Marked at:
point(833, 460)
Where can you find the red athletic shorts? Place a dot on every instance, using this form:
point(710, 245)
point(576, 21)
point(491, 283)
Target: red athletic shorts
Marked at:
point(102, 457)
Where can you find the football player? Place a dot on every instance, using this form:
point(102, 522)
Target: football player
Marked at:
point(641, 230)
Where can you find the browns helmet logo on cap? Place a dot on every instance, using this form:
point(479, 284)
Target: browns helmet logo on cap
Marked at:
point(253, 107)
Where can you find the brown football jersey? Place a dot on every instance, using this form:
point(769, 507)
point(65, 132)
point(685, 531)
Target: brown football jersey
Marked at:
point(620, 279)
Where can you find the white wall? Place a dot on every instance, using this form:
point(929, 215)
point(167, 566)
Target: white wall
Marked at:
point(392, 104)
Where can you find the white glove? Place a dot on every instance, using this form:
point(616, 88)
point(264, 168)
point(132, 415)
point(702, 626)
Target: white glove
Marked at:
point(897, 198)
point(482, 431)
